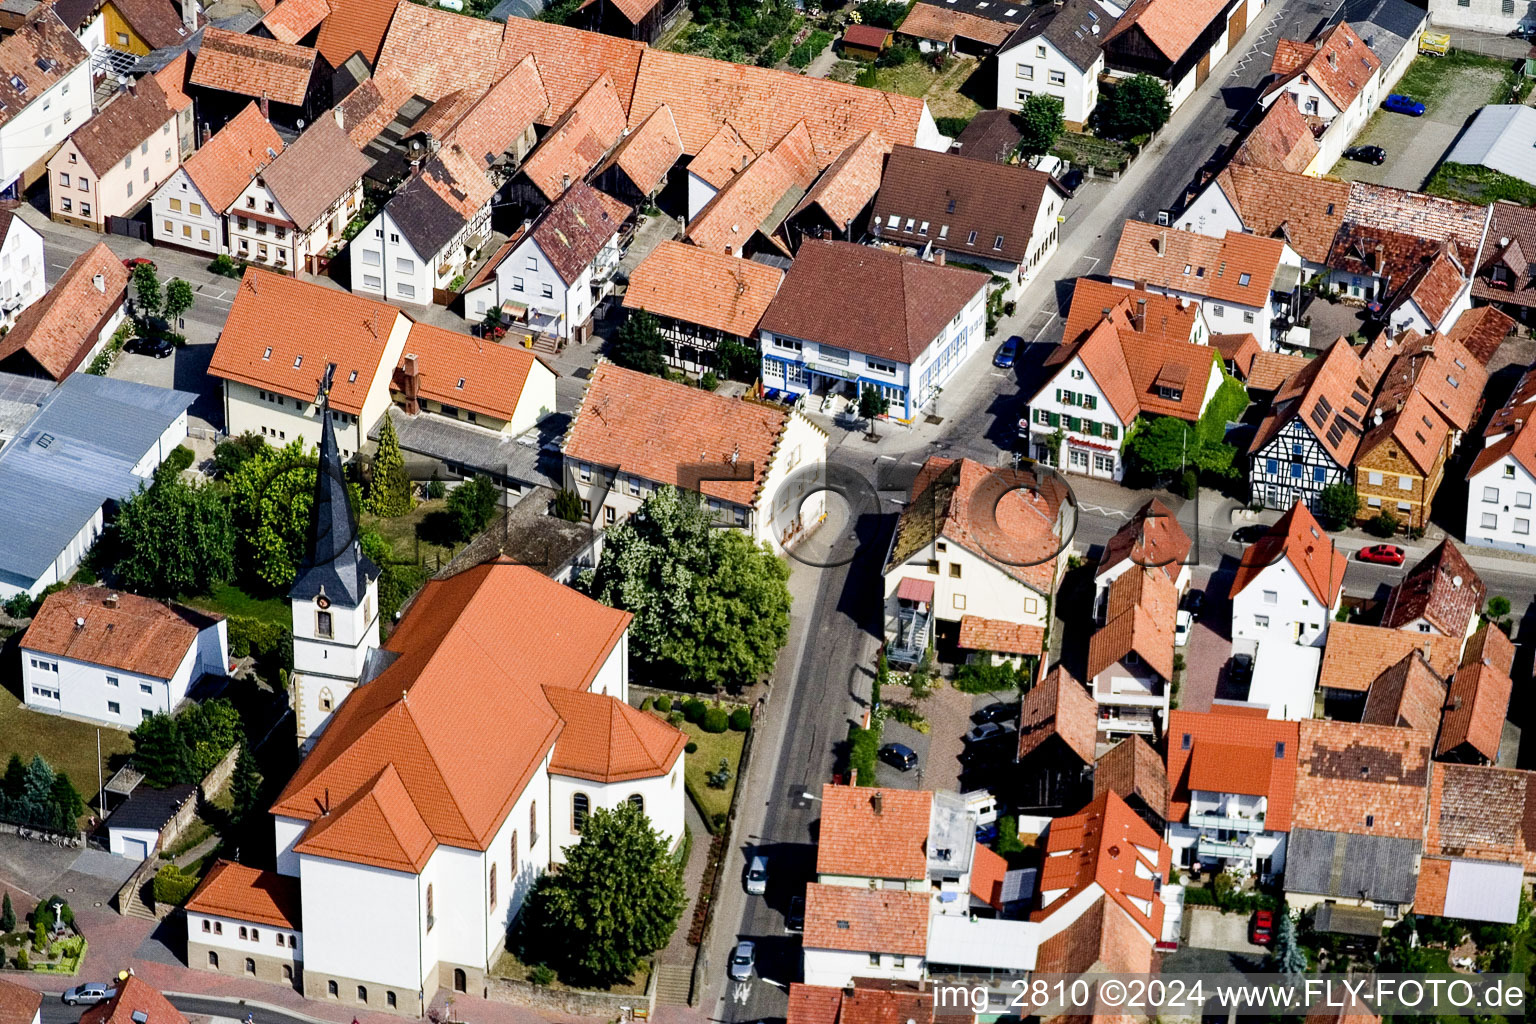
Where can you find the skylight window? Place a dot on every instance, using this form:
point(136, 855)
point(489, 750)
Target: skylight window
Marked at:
point(352, 377)
point(298, 361)
point(460, 385)
point(1243, 279)
point(267, 354)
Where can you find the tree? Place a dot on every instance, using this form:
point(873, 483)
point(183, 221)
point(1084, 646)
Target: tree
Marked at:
point(7, 915)
point(639, 345)
point(559, 12)
point(174, 538)
point(68, 805)
point(178, 299)
point(230, 455)
point(1286, 955)
point(568, 505)
point(1160, 447)
point(872, 404)
point(1383, 524)
point(882, 13)
point(208, 731)
point(1040, 123)
point(737, 361)
point(1338, 504)
point(38, 792)
point(614, 902)
point(742, 615)
point(390, 494)
point(158, 752)
point(1137, 106)
point(882, 677)
point(1498, 608)
point(245, 786)
point(146, 291)
point(15, 783)
point(272, 494)
point(471, 505)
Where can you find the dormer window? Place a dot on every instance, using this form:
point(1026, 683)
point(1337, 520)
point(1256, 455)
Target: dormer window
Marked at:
point(18, 84)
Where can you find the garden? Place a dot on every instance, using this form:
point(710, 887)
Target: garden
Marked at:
point(717, 732)
point(48, 944)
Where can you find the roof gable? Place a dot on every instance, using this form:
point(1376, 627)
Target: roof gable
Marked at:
point(1298, 539)
point(226, 163)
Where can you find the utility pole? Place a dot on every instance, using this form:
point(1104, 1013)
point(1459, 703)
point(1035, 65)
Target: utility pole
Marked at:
point(101, 786)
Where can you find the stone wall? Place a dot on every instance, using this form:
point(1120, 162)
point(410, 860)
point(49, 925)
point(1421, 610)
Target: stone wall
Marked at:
point(219, 774)
point(574, 1002)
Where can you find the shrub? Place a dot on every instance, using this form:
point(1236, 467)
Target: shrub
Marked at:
point(863, 748)
point(691, 747)
point(675, 719)
point(435, 487)
point(172, 887)
point(22, 961)
point(1383, 525)
point(693, 709)
point(663, 703)
point(951, 126)
point(542, 974)
point(181, 458)
point(230, 455)
point(715, 720)
point(897, 55)
point(710, 380)
point(646, 704)
point(741, 720)
point(224, 266)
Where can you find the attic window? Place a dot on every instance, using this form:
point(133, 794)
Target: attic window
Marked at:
point(971, 238)
point(1330, 209)
point(298, 361)
point(1279, 750)
point(1314, 532)
point(1187, 268)
point(1199, 271)
point(460, 385)
point(18, 84)
point(844, 924)
point(1365, 771)
point(997, 243)
point(1370, 820)
point(1452, 381)
point(268, 353)
point(951, 207)
point(1184, 743)
point(1460, 365)
point(1243, 279)
point(352, 377)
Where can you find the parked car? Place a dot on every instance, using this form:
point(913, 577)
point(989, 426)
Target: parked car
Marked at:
point(1006, 353)
point(1194, 601)
point(88, 994)
point(1182, 624)
point(743, 960)
point(794, 921)
point(159, 348)
point(134, 261)
point(1262, 933)
point(988, 731)
point(1072, 181)
point(985, 834)
point(1397, 103)
point(1242, 668)
point(1250, 533)
point(998, 711)
point(899, 756)
point(757, 876)
point(1383, 554)
point(1367, 154)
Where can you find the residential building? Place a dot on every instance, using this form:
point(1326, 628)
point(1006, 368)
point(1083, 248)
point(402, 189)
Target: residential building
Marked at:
point(1130, 657)
point(1308, 439)
point(117, 658)
point(1000, 642)
point(1058, 730)
point(865, 999)
point(140, 26)
point(115, 161)
point(271, 379)
point(293, 22)
point(1057, 51)
point(1150, 539)
point(761, 197)
point(1477, 701)
point(228, 914)
point(551, 276)
point(354, 28)
point(1134, 771)
point(1289, 583)
point(574, 146)
point(1335, 81)
point(1502, 478)
point(1503, 276)
point(1275, 202)
point(45, 85)
point(1237, 279)
point(702, 300)
point(721, 158)
point(974, 27)
point(63, 452)
point(1125, 353)
point(1176, 41)
point(1495, 17)
point(21, 267)
point(1432, 297)
point(1408, 695)
point(66, 327)
point(1442, 594)
point(188, 210)
point(1357, 655)
point(1231, 784)
point(636, 171)
point(1281, 141)
point(758, 466)
point(1391, 28)
point(1477, 851)
point(809, 345)
point(296, 210)
point(1002, 217)
point(20, 1005)
point(134, 1001)
point(291, 82)
point(838, 203)
point(1389, 235)
point(173, 79)
point(973, 540)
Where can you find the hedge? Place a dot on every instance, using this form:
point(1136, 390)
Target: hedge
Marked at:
point(741, 720)
point(863, 749)
point(172, 888)
point(715, 720)
point(693, 709)
point(663, 703)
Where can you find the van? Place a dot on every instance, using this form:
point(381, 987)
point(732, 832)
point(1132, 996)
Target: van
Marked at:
point(757, 876)
point(1046, 164)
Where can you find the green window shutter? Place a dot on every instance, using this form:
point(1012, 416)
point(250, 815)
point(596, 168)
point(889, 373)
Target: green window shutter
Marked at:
point(1058, 394)
point(1111, 431)
point(1053, 419)
point(1073, 423)
point(1090, 402)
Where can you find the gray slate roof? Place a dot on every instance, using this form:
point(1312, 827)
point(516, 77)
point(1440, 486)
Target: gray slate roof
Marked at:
point(335, 564)
point(1346, 865)
point(75, 455)
point(151, 808)
point(424, 217)
point(1386, 26)
point(1077, 28)
point(522, 458)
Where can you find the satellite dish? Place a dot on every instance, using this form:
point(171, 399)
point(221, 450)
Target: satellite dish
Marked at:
point(301, 124)
point(1455, 581)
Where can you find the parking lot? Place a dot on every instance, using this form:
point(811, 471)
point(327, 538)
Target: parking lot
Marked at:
point(1452, 89)
point(939, 750)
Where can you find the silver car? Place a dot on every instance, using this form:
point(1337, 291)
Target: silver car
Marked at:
point(88, 994)
point(743, 960)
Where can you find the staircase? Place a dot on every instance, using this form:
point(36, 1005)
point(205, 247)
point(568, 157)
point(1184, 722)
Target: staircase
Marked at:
point(673, 982)
point(131, 901)
point(546, 343)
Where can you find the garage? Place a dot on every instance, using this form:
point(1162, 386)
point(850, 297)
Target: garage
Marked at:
point(150, 820)
point(1237, 25)
point(135, 849)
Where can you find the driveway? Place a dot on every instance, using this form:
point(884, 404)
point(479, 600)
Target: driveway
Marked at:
point(84, 877)
point(1211, 929)
point(1210, 641)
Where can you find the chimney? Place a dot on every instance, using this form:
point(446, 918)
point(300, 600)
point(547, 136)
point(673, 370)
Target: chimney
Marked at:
point(853, 776)
point(207, 134)
point(411, 385)
point(938, 257)
point(1141, 315)
point(1158, 242)
point(110, 601)
point(565, 182)
point(132, 87)
point(189, 11)
point(877, 801)
point(100, 282)
point(266, 112)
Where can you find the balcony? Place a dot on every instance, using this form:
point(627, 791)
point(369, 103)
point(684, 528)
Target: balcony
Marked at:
point(1129, 721)
point(1237, 849)
point(912, 634)
point(1234, 823)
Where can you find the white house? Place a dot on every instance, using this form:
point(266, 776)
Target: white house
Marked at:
point(1334, 80)
point(759, 467)
point(1130, 657)
point(1496, 17)
point(21, 267)
point(811, 346)
point(1502, 480)
point(247, 921)
point(117, 658)
point(553, 274)
point(1152, 538)
point(45, 88)
point(1289, 584)
point(1432, 298)
point(1056, 52)
point(189, 208)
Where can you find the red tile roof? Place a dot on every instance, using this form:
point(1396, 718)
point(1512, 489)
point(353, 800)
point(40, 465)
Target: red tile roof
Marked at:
point(1408, 695)
point(18, 1005)
point(866, 920)
point(226, 163)
point(571, 60)
point(573, 230)
point(759, 198)
point(420, 751)
point(848, 184)
point(1240, 350)
point(1171, 25)
point(710, 289)
point(1356, 655)
point(433, 52)
point(1152, 538)
point(1281, 141)
point(173, 79)
point(988, 870)
point(1306, 211)
point(253, 66)
point(1330, 395)
point(1103, 356)
point(1435, 287)
point(59, 329)
point(127, 120)
point(134, 997)
point(348, 330)
point(500, 116)
point(354, 26)
point(469, 373)
point(1490, 645)
point(606, 740)
point(578, 141)
point(1297, 537)
point(721, 158)
point(292, 20)
point(873, 833)
point(1442, 588)
point(1475, 710)
point(1338, 62)
point(1059, 706)
point(944, 25)
point(43, 38)
point(1272, 369)
point(320, 167)
point(866, 1001)
point(871, 37)
point(648, 153)
point(1351, 772)
point(121, 631)
point(1482, 812)
point(1132, 768)
point(1140, 618)
point(1236, 268)
point(1519, 444)
point(1262, 751)
point(999, 636)
point(1107, 844)
point(157, 22)
point(1482, 330)
point(246, 894)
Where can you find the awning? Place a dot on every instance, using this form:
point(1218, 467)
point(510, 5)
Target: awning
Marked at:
point(910, 589)
point(1342, 920)
point(1079, 443)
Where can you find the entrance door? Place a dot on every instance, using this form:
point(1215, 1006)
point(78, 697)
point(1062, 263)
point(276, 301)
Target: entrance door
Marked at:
point(1237, 25)
point(1203, 69)
point(460, 980)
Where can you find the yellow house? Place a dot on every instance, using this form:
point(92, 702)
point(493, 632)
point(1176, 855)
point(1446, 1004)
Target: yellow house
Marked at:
point(1401, 461)
point(139, 26)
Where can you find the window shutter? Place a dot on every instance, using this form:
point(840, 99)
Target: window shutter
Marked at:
point(1090, 402)
point(1091, 428)
point(1053, 419)
point(1073, 423)
point(1058, 394)
point(1111, 431)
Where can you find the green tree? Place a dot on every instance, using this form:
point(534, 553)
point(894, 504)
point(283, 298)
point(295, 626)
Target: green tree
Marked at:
point(390, 494)
point(1160, 447)
point(173, 538)
point(639, 345)
point(272, 494)
point(614, 902)
point(1286, 955)
point(1040, 123)
point(882, 13)
point(245, 785)
point(471, 505)
point(743, 615)
point(1338, 504)
point(737, 361)
point(7, 915)
point(178, 299)
point(208, 730)
point(872, 404)
point(559, 12)
point(146, 291)
point(1498, 608)
point(68, 805)
point(230, 455)
point(568, 505)
point(1136, 106)
point(159, 753)
point(38, 792)
point(15, 783)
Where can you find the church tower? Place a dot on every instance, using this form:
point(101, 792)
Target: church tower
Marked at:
point(335, 598)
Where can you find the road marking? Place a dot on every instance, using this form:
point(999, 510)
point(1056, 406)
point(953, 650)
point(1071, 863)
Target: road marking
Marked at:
point(741, 993)
point(1104, 511)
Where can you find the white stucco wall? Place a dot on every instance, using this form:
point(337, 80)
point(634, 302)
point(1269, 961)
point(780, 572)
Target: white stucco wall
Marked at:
point(836, 968)
point(365, 922)
point(33, 132)
point(195, 225)
point(1029, 67)
point(1499, 512)
point(261, 940)
point(21, 270)
point(1278, 606)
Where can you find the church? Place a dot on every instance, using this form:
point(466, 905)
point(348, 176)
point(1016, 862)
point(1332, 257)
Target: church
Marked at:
point(443, 772)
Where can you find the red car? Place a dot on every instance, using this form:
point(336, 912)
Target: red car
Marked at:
point(1263, 931)
point(1384, 554)
point(133, 261)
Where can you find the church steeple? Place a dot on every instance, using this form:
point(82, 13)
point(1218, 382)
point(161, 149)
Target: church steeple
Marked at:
point(335, 566)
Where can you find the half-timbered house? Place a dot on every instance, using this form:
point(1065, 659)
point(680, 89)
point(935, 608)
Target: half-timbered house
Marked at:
point(702, 299)
point(1308, 439)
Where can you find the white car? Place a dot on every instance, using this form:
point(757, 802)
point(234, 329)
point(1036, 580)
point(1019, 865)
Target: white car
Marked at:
point(757, 876)
point(743, 959)
point(1182, 624)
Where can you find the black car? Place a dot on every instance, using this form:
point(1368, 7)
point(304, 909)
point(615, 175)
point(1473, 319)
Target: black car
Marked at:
point(899, 756)
point(157, 347)
point(1250, 533)
point(1072, 181)
point(1193, 602)
point(997, 712)
point(1367, 154)
point(1242, 668)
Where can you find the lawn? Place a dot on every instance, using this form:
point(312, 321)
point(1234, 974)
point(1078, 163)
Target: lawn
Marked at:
point(940, 88)
point(69, 746)
point(510, 967)
point(712, 746)
point(228, 599)
point(1430, 79)
point(413, 537)
point(1476, 184)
